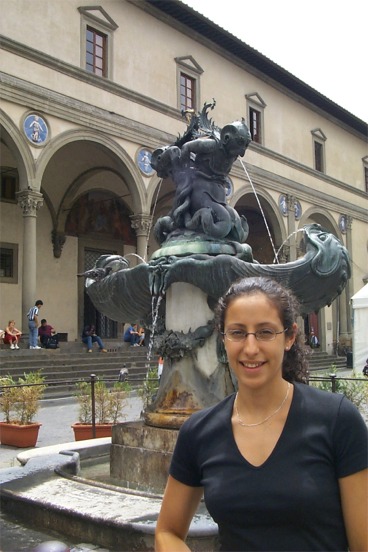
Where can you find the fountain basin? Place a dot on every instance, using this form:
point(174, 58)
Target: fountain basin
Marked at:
point(49, 490)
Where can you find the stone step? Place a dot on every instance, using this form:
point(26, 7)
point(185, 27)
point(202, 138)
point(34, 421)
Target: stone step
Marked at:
point(66, 366)
point(75, 364)
point(324, 361)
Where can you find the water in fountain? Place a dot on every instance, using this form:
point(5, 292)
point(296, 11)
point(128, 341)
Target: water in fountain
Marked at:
point(136, 255)
point(156, 301)
point(260, 208)
point(285, 241)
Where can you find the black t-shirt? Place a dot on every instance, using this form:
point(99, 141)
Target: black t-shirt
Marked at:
point(292, 501)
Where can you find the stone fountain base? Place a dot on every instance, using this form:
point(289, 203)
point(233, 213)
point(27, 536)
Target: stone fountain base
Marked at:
point(48, 491)
point(140, 456)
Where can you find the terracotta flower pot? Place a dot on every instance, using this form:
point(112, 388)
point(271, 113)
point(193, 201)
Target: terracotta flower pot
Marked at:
point(84, 431)
point(22, 436)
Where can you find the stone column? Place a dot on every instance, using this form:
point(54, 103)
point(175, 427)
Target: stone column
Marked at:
point(291, 227)
point(141, 224)
point(29, 201)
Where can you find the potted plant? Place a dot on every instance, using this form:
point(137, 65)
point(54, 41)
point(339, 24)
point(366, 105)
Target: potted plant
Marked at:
point(19, 402)
point(109, 403)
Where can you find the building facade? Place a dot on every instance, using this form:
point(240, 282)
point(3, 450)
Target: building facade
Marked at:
point(89, 92)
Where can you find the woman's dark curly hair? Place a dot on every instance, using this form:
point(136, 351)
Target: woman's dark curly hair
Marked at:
point(294, 366)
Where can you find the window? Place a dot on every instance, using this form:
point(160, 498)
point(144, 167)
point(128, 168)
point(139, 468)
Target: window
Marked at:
point(97, 40)
point(8, 263)
point(96, 59)
point(256, 107)
point(188, 81)
point(255, 125)
point(365, 168)
point(318, 156)
point(319, 139)
point(187, 92)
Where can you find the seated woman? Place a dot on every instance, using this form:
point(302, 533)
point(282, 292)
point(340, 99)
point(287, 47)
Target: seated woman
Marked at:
point(12, 335)
point(141, 336)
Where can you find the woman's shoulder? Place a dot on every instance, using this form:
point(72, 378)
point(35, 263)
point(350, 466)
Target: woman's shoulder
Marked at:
point(320, 396)
point(325, 404)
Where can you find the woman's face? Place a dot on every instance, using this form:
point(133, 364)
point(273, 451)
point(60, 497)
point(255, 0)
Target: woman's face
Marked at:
point(255, 363)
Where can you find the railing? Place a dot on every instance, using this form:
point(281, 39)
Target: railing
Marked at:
point(93, 379)
point(333, 379)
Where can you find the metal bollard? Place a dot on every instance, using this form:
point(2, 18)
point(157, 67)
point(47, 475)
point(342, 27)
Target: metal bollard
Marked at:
point(333, 382)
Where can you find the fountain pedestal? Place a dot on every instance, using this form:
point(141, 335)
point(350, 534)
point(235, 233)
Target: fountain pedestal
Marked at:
point(140, 456)
point(193, 378)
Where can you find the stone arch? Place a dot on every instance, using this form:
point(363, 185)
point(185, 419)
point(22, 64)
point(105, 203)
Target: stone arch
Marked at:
point(19, 148)
point(129, 171)
point(320, 216)
point(73, 193)
point(245, 200)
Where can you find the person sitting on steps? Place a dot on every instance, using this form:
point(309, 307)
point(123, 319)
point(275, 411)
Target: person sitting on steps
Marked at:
point(89, 337)
point(131, 335)
point(12, 335)
point(48, 335)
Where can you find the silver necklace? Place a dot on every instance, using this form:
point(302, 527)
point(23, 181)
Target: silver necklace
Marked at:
point(240, 421)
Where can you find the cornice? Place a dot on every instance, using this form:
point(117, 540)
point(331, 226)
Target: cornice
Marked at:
point(24, 93)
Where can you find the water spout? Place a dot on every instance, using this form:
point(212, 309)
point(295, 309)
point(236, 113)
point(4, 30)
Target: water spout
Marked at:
point(136, 255)
point(285, 241)
point(260, 208)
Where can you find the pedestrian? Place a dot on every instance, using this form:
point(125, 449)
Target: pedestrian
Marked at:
point(131, 335)
point(89, 337)
point(313, 340)
point(48, 336)
point(282, 465)
point(160, 368)
point(12, 335)
point(33, 324)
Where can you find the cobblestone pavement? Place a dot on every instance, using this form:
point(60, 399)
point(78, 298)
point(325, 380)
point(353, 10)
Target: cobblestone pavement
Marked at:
point(56, 417)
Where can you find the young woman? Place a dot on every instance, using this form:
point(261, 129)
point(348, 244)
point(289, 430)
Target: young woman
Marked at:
point(12, 335)
point(282, 465)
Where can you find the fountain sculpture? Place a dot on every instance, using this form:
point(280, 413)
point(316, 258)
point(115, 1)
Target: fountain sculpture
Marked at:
point(202, 251)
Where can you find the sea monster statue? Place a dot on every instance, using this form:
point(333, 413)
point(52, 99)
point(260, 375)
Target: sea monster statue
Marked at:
point(202, 251)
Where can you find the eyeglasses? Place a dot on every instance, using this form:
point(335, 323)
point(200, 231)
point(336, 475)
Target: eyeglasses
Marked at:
point(266, 334)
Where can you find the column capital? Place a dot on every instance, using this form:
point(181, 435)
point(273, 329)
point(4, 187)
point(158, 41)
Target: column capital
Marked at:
point(141, 224)
point(29, 201)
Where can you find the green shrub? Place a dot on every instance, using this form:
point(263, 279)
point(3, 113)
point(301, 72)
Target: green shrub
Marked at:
point(20, 401)
point(109, 403)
